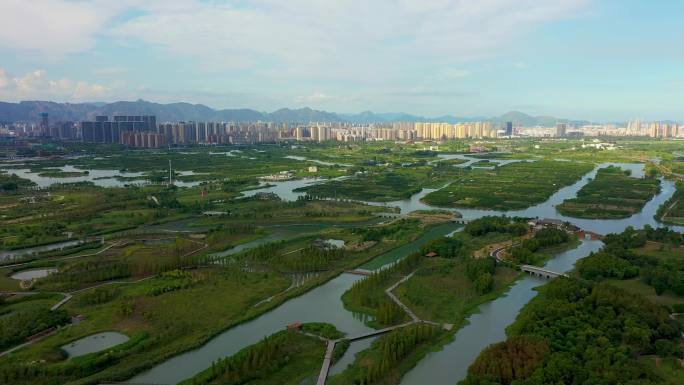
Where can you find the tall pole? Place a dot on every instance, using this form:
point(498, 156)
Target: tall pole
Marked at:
point(170, 174)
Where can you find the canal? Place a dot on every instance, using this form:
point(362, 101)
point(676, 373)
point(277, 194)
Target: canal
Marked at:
point(449, 365)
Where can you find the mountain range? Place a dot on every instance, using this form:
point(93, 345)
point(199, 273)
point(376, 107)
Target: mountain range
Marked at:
point(28, 111)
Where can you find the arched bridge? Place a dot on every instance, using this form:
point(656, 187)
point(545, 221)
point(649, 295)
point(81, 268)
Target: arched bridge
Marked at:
point(540, 272)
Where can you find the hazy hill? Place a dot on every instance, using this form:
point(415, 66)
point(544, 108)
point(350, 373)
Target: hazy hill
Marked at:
point(27, 111)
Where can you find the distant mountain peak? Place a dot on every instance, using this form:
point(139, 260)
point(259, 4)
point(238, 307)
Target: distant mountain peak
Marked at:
point(28, 111)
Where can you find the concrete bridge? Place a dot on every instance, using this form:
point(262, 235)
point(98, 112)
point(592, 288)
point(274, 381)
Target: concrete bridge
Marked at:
point(327, 360)
point(540, 272)
point(378, 332)
point(359, 272)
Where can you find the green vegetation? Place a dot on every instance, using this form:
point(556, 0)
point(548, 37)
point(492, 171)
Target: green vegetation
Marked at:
point(382, 185)
point(286, 357)
point(653, 255)
point(18, 325)
point(147, 267)
point(513, 359)
point(513, 186)
point(528, 252)
point(592, 330)
point(11, 183)
point(492, 224)
point(612, 194)
point(368, 295)
point(389, 356)
point(672, 211)
point(322, 329)
point(448, 290)
point(62, 174)
point(160, 326)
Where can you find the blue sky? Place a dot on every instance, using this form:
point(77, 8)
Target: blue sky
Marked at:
point(600, 60)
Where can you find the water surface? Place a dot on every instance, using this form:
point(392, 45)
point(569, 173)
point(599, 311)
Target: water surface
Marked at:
point(94, 343)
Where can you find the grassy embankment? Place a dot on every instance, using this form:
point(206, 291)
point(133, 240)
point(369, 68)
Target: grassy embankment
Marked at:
point(513, 186)
point(672, 211)
point(612, 194)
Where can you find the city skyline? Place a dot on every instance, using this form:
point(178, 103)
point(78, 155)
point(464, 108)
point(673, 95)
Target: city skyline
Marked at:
point(594, 60)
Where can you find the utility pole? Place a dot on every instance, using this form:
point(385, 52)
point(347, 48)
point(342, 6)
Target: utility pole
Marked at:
point(170, 174)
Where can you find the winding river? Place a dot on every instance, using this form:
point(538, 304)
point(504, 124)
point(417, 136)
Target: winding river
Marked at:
point(447, 366)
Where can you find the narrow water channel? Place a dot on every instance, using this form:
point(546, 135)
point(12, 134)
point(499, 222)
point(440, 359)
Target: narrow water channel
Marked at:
point(447, 366)
point(450, 365)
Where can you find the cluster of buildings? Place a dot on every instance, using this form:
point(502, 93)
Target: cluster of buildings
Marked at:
point(144, 131)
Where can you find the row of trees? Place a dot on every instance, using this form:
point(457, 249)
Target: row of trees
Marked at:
point(393, 348)
point(80, 274)
point(481, 272)
point(18, 325)
point(619, 260)
point(491, 224)
point(253, 362)
point(377, 233)
point(370, 291)
point(543, 238)
point(308, 259)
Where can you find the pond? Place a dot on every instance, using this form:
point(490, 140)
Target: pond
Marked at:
point(295, 157)
point(94, 343)
point(448, 365)
point(99, 177)
point(284, 189)
point(13, 254)
point(33, 273)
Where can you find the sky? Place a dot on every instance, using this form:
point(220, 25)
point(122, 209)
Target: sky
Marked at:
point(601, 60)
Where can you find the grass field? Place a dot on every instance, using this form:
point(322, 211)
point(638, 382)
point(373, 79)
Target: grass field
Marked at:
point(169, 323)
point(669, 369)
point(514, 186)
point(441, 292)
point(638, 287)
point(672, 211)
point(612, 194)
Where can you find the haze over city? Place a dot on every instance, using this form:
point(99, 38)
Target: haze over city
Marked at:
point(583, 59)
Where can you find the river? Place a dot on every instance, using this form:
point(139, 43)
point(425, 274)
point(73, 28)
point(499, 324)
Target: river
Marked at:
point(447, 366)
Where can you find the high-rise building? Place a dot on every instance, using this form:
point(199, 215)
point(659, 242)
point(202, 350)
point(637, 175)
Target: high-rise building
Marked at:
point(561, 129)
point(653, 130)
point(103, 130)
point(44, 124)
point(508, 129)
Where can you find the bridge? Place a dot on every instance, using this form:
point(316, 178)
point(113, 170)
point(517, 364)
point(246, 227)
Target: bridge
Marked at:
point(540, 272)
point(359, 272)
point(327, 360)
point(378, 332)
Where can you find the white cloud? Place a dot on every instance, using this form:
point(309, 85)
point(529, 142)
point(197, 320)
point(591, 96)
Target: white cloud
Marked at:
point(314, 98)
point(342, 39)
point(36, 85)
point(456, 73)
point(54, 27)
